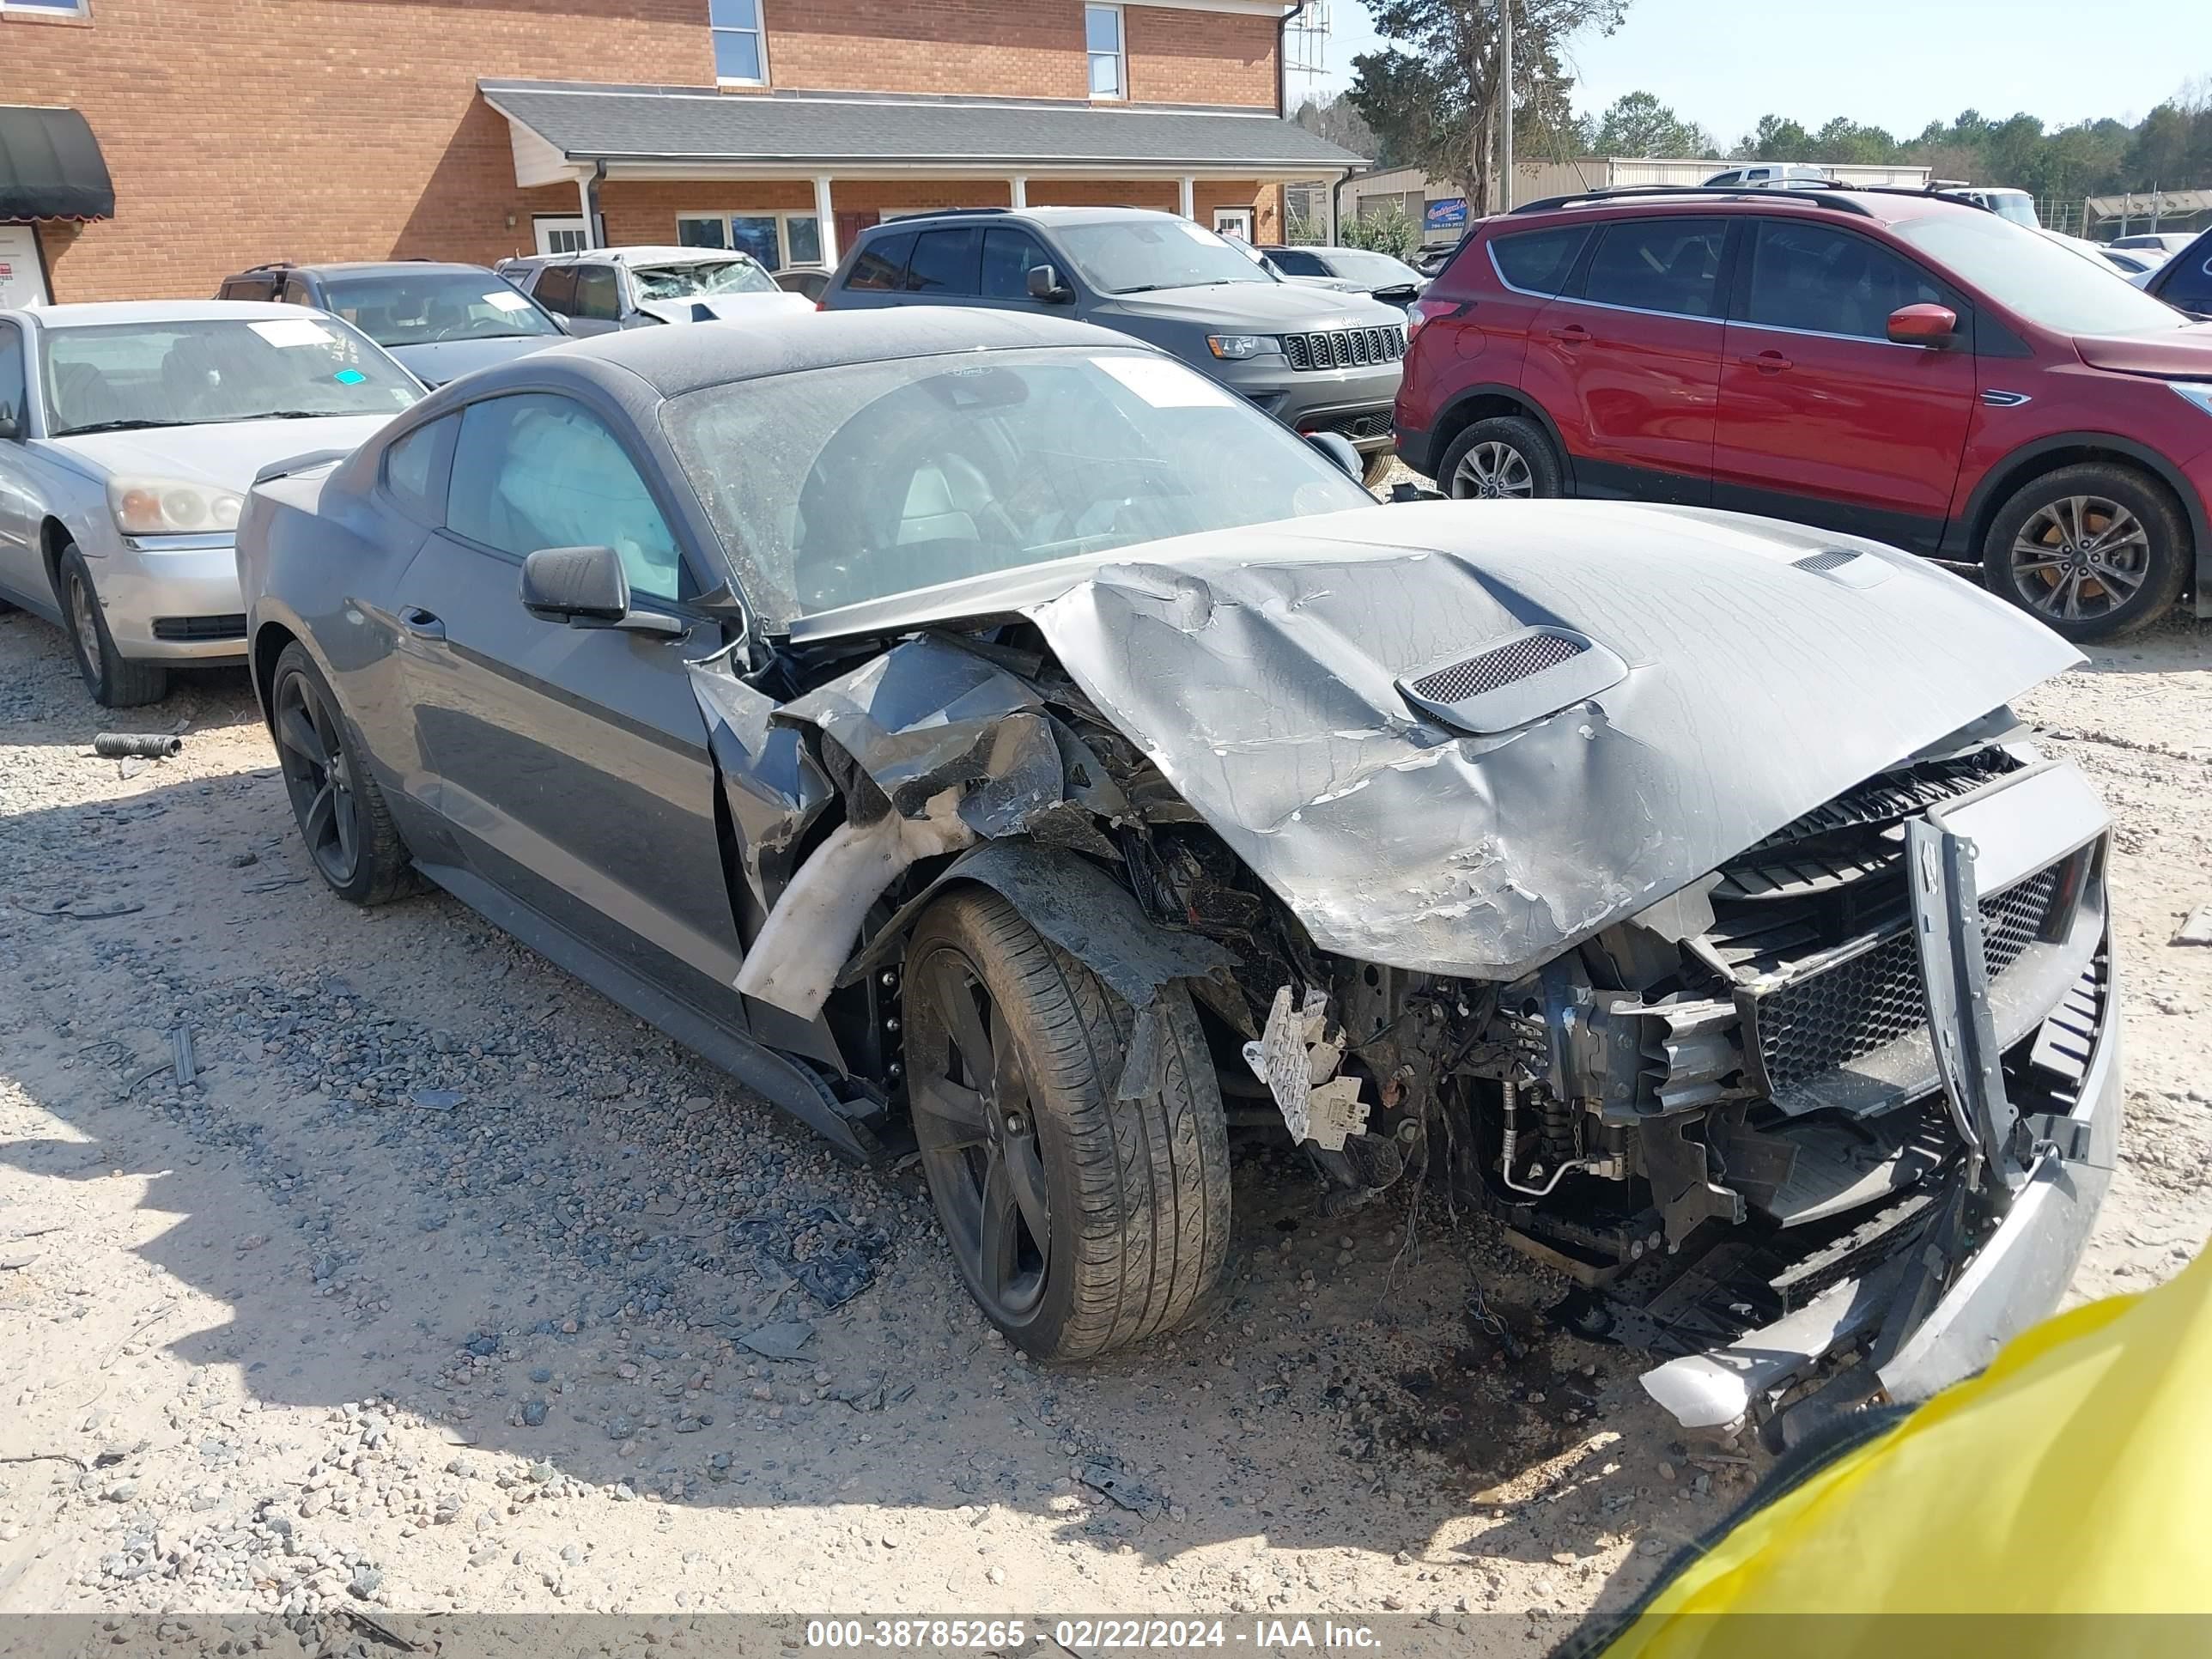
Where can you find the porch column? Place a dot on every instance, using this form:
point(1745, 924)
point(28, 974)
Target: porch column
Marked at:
point(1018, 189)
point(1188, 206)
point(825, 217)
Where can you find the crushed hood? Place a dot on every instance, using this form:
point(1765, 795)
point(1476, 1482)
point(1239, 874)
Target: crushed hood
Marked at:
point(725, 307)
point(1258, 668)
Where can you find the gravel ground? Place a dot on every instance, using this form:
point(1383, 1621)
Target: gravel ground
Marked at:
point(432, 1290)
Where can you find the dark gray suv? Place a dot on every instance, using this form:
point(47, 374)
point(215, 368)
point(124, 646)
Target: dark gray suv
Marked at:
point(1319, 361)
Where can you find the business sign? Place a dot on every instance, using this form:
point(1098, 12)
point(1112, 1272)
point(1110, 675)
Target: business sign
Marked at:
point(22, 281)
point(1448, 214)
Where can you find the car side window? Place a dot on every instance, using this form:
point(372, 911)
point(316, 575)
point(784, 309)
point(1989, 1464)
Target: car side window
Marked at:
point(533, 471)
point(249, 288)
point(14, 405)
point(296, 293)
point(1296, 262)
point(1009, 256)
point(1672, 265)
point(1829, 281)
point(1725, 180)
point(882, 265)
point(557, 290)
point(1539, 261)
point(945, 261)
point(413, 470)
point(2189, 288)
point(598, 295)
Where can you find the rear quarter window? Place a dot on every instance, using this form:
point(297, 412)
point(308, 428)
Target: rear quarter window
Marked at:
point(1538, 261)
point(882, 265)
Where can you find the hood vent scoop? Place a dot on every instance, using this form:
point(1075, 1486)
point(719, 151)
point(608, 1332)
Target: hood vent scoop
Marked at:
point(1845, 565)
point(1520, 679)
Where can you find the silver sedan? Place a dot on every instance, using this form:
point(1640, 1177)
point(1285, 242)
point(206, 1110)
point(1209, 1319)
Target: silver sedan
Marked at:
point(129, 435)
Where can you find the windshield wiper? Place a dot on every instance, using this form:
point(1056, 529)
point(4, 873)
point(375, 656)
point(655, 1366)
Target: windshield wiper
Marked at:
point(291, 414)
point(135, 425)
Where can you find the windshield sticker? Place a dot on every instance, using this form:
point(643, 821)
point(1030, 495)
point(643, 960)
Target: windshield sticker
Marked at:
point(293, 331)
point(1164, 385)
point(348, 377)
point(510, 300)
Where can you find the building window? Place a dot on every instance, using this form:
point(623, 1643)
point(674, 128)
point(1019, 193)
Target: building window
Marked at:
point(740, 49)
point(48, 7)
point(776, 240)
point(1102, 29)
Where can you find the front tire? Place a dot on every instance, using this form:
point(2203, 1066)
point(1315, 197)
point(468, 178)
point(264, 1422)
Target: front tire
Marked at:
point(334, 799)
point(1079, 1222)
point(2095, 551)
point(114, 680)
point(1505, 458)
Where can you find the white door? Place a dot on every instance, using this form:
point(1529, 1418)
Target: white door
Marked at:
point(1233, 221)
point(556, 235)
point(22, 280)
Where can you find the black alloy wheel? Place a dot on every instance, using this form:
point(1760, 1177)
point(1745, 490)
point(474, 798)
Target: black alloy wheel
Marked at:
point(977, 1129)
point(319, 776)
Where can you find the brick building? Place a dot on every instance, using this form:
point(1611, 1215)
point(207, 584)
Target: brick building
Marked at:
point(236, 132)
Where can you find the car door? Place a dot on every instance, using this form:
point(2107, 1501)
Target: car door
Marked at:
point(571, 762)
point(19, 566)
point(555, 289)
point(597, 307)
point(1627, 359)
point(945, 265)
point(1822, 418)
point(1010, 254)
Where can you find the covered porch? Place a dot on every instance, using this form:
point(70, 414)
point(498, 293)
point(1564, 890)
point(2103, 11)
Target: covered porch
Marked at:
point(792, 179)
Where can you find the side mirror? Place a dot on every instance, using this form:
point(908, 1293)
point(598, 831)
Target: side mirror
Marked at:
point(586, 587)
point(1923, 326)
point(10, 427)
point(1338, 448)
point(1045, 284)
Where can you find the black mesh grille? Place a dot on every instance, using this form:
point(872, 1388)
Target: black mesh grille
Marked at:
point(1834, 559)
point(1830, 1018)
point(1502, 666)
point(199, 627)
point(1374, 423)
point(1345, 348)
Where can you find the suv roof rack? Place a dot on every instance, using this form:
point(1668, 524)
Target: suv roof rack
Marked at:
point(949, 213)
point(1832, 195)
point(269, 265)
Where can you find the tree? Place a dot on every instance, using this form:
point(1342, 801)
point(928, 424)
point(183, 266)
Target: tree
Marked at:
point(1431, 93)
point(1340, 122)
point(1640, 124)
point(1775, 140)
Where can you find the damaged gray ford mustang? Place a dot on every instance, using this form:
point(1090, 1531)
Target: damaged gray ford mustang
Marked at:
point(987, 738)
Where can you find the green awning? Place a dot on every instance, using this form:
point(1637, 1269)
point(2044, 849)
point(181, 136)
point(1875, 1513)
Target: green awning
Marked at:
point(51, 166)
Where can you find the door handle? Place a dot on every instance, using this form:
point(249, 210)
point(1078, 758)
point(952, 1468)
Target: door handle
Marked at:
point(421, 623)
point(1767, 362)
point(1572, 334)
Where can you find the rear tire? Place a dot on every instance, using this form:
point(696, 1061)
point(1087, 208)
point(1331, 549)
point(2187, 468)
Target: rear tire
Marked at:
point(1013, 1051)
point(1377, 468)
point(1505, 458)
point(114, 680)
point(2097, 540)
point(335, 799)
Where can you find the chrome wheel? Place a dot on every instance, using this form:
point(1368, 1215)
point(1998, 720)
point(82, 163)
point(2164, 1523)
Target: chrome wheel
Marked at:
point(1492, 471)
point(2079, 558)
point(976, 1127)
point(318, 779)
point(84, 624)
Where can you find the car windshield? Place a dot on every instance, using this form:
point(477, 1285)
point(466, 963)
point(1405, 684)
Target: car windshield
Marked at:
point(1136, 256)
point(842, 484)
point(124, 375)
point(1372, 270)
point(2045, 282)
point(418, 309)
point(2020, 209)
point(702, 280)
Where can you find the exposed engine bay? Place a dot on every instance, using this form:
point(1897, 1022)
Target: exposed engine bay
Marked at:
point(1497, 922)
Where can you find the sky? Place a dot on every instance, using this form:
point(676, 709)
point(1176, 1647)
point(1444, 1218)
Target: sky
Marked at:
point(1724, 65)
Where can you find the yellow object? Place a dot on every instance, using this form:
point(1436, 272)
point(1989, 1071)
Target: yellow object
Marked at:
point(2073, 1476)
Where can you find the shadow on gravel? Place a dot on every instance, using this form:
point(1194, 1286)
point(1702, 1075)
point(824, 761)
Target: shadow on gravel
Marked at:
point(426, 1172)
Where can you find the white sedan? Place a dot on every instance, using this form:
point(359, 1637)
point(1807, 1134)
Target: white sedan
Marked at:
point(130, 433)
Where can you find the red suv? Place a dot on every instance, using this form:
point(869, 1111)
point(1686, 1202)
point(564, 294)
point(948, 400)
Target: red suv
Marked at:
point(1884, 363)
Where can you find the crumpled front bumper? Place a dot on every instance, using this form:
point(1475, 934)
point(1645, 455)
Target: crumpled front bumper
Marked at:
point(2015, 1278)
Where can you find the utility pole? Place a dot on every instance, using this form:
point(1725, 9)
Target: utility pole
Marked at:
point(1506, 99)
